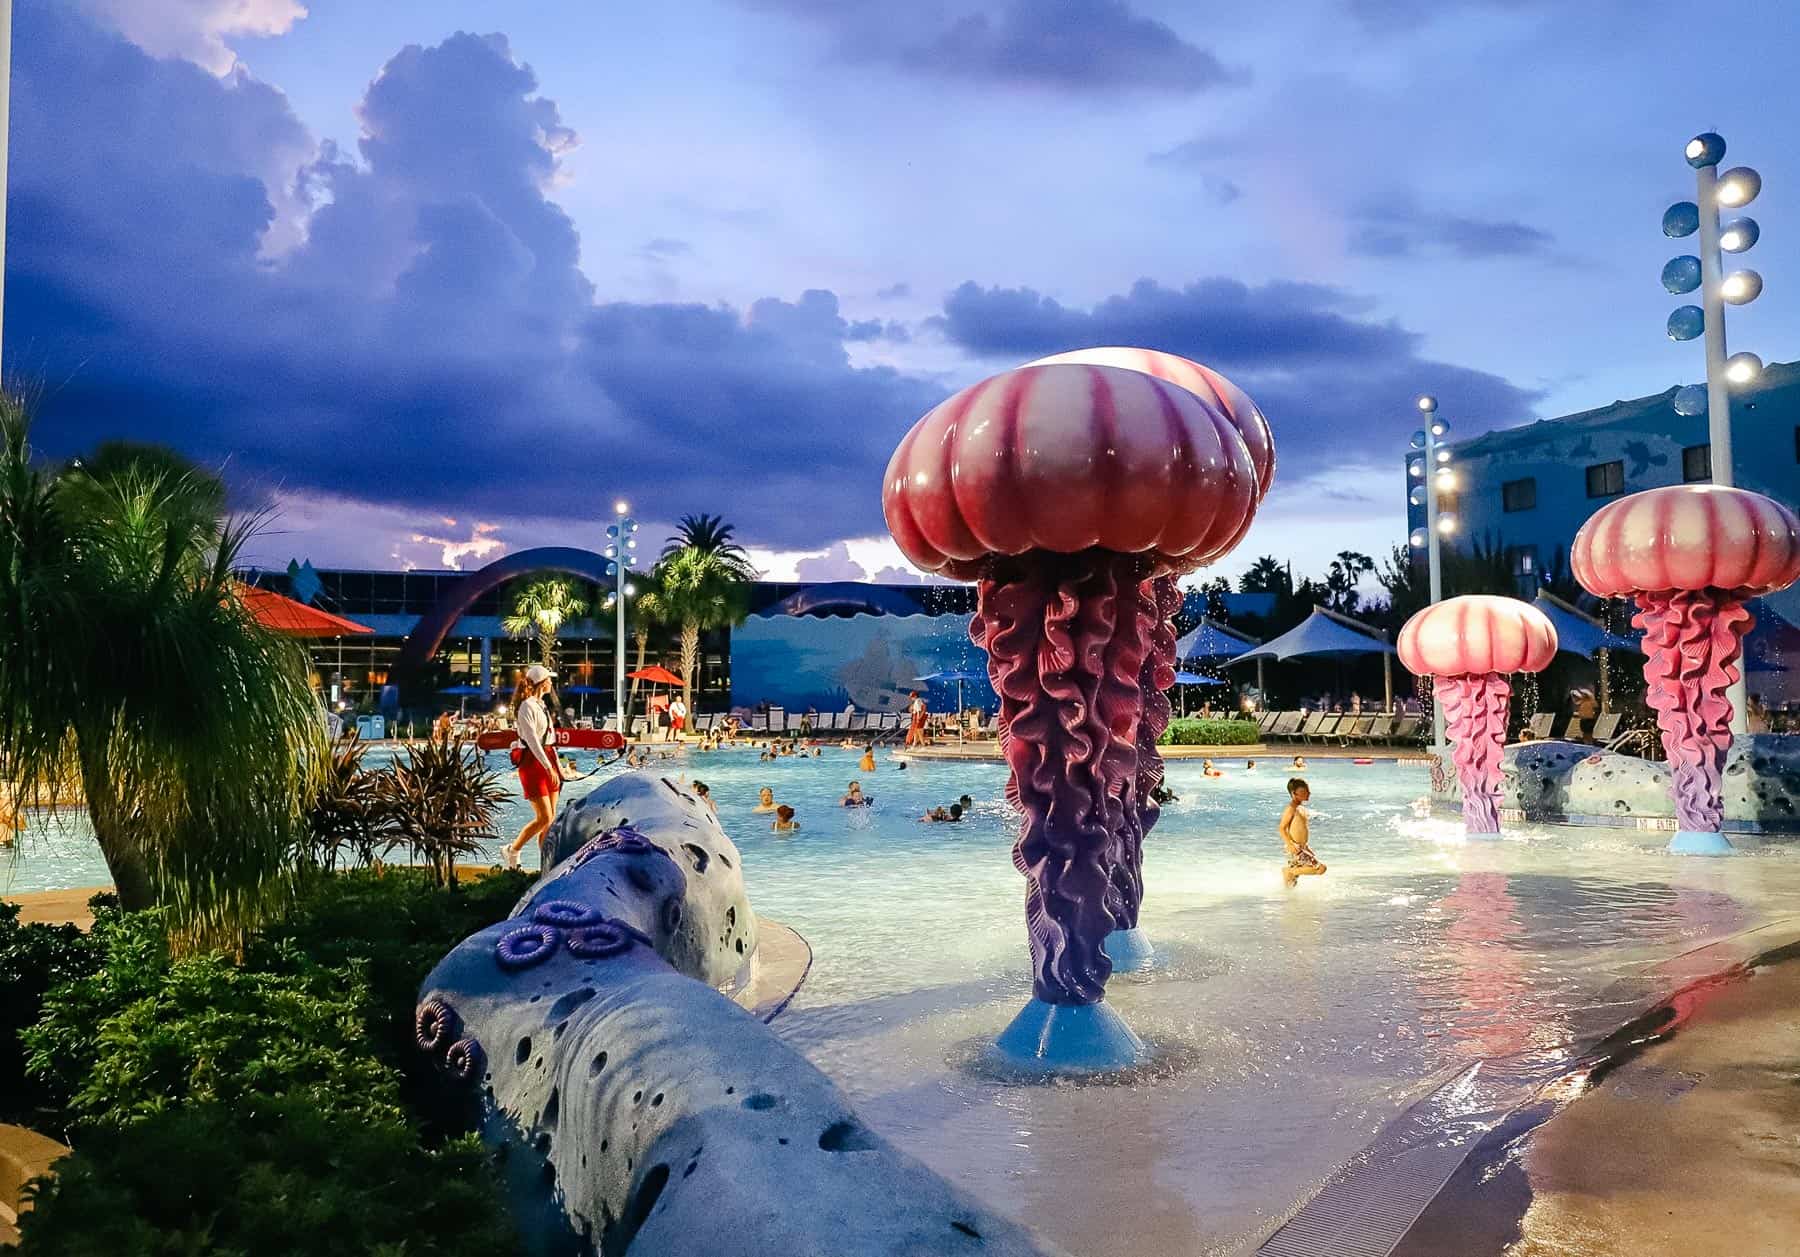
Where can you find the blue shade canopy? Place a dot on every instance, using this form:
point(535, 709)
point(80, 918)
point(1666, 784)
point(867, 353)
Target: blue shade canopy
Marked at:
point(1211, 640)
point(1321, 633)
point(1579, 633)
point(585, 689)
point(950, 677)
point(1194, 678)
point(463, 690)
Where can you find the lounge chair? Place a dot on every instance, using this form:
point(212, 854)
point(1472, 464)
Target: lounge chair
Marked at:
point(1571, 730)
point(1356, 729)
point(1265, 721)
point(1286, 725)
point(759, 723)
point(1330, 727)
point(859, 722)
point(639, 726)
point(1405, 730)
point(1310, 725)
point(1542, 724)
point(1606, 728)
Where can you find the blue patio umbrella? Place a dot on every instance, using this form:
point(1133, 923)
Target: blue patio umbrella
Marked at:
point(1212, 640)
point(1194, 678)
point(1579, 632)
point(585, 689)
point(1329, 634)
point(959, 677)
point(463, 693)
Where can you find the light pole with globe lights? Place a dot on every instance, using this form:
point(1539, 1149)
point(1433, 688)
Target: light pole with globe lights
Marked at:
point(621, 541)
point(1734, 189)
point(1430, 466)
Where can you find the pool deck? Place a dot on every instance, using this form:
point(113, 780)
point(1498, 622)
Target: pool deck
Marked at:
point(989, 750)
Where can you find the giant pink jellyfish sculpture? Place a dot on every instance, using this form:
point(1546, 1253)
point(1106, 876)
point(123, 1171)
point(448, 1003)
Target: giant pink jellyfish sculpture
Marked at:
point(1065, 491)
point(1128, 947)
point(1471, 645)
point(1691, 555)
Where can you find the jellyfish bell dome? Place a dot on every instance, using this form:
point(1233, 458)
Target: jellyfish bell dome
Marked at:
point(1476, 634)
point(1688, 537)
point(1198, 379)
point(1064, 457)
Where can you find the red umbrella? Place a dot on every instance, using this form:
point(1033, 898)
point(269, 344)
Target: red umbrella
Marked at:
point(655, 674)
point(294, 619)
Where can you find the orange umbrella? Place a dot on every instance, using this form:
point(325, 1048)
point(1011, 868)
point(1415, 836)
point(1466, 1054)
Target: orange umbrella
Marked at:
point(294, 619)
point(655, 674)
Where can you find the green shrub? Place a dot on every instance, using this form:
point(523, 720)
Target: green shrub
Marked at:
point(1195, 732)
point(269, 1177)
point(147, 1033)
point(33, 959)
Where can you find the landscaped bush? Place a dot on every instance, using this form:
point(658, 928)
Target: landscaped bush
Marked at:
point(270, 1177)
point(33, 959)
point(1195, 732)
point(221, 1108)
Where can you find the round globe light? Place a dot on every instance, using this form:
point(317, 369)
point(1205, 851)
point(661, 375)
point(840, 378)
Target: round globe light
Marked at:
point(1741, 287)
point(1686, 323)
point(1743, 368)
point(1418, 439)
point(630, 590)
point(1416, 468)
point(1445, 479)
point(1705, 149)
point(1417, 496)
point(1446, 524)
point(621, 506)
point(1440, 428)
point(1690, 399)
point(1681, 274)
point(1739, 186)
point(612, 569)
point(1427, 403)
point(1418, 538)
point(1681, 219)
point(1443, 456)
point(1739, 234)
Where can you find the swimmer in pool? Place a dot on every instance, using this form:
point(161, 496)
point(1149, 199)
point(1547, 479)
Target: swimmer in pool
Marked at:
point(1296, 834)
point(856, 797)
point(1207, 769)
point(765, 800)
point(867, 763)
point(1161, 795)
point(1249, 765)
point(784, 820)
point(1299, 761)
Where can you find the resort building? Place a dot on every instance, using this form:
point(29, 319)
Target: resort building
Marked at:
point(1526, 491)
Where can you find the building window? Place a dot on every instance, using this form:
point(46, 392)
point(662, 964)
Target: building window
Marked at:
point(1696, 463)
point(1605, 480)
point(1523, 560)
point(1519, 495)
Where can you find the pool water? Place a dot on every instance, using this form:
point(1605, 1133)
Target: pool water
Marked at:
point(1289, 1025)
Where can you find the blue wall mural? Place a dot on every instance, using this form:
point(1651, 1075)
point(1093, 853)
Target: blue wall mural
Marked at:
point(830, 662)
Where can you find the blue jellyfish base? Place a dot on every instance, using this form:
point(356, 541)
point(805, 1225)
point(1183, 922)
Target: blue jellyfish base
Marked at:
point(1129, 950)
point(1700, 842)
point(1069, 1038)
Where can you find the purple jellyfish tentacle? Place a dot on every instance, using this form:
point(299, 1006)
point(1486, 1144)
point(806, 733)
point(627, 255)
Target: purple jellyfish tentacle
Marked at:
point(1134, 658)
point(1049, 624)
point(1161, 600)
point(1475, 713)
point(1693, 640)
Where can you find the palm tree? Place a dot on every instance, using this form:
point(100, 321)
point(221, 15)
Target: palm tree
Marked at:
point(1268, 575)
point(1347, 569)
point(649, 611)
point(710, 534)
point(542, 608)
point(131, 667)
point(699, 591)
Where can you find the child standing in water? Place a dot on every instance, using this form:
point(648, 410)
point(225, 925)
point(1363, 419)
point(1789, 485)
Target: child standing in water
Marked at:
point(1296, 833)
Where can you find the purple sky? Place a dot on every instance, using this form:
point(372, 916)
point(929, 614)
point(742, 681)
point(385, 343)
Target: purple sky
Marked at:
point(431, 295)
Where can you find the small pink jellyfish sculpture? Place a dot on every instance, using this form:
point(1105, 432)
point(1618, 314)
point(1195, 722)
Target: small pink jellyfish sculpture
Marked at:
point(1128, 947)
point(1691, 555)
point(1065, 491)
point(1471, 645)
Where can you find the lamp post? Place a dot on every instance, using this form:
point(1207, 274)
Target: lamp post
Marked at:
point(621, 542)
point(1430, 466)
point(1732, 190)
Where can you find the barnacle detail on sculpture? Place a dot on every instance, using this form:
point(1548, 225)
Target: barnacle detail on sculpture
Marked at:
point(1471, 645)
point(1690, 556)
point(1072, 494)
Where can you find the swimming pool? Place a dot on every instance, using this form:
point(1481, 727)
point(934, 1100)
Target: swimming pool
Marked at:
point(1292, 1025)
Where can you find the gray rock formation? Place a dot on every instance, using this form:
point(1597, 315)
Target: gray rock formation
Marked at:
point(1550, 781)
point(636, 1108)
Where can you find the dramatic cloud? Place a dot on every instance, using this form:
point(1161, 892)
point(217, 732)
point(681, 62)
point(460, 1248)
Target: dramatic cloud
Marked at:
point(893, 292)
point(1340, 382)
point(1406, 231)
point(834, 564)
point(1097, 47)
point(194, 29)
point(432, 341)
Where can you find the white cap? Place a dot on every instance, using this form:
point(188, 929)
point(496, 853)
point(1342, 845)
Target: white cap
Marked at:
point(538, 672)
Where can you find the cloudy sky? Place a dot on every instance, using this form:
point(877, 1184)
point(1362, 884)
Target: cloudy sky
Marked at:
point(437, 280)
